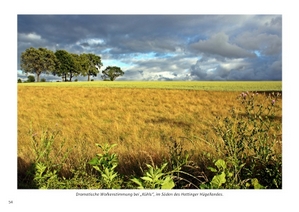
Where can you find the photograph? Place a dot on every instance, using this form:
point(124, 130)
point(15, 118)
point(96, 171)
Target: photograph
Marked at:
point(150, 102)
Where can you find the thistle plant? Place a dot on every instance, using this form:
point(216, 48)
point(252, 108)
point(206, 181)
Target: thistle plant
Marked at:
point(249, 137)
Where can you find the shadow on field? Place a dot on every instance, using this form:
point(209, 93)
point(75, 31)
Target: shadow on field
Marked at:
point(25, 175)
point(271, 92)
point(277, 94)
point(169, 121)
point(264, 117)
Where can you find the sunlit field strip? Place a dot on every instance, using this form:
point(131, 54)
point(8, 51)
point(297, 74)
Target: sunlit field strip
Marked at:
point(186, 85)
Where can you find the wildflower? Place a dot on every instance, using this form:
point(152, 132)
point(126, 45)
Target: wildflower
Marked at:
point(273, 101)
point(243, 95)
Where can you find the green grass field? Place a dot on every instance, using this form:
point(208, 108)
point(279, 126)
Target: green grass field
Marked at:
point(187, 85)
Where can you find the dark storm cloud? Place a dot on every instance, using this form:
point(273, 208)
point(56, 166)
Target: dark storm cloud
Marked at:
point(218, 45)
point(165, 47)
point(265, 37)
point(237, 69)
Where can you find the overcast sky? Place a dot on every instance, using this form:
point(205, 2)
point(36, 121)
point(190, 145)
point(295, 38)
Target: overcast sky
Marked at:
point(164, 47)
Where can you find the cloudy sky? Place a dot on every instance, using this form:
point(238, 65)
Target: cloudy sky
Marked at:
point(164, 47)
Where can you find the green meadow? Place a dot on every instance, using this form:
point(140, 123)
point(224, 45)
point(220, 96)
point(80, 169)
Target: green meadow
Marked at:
point(186, 85)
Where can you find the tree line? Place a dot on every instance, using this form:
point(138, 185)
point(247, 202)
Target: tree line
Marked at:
point(65, 64)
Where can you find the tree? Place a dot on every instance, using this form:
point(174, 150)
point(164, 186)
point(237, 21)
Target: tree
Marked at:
point(37, 61)
point(31, 78)
point(19, 81)
point(77, 66)
point(91, 65)
point(66, 64)
point(111, 73)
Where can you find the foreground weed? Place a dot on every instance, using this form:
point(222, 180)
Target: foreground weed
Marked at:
point(46, 178)
point(249, 137)
point(45, 168)
point(45, 149)
point(105, 164)
point(155, 178)
point(223, 179)
point(183, 169)
point(178, 156)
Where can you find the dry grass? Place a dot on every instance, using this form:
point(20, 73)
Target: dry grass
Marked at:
point(140, 121)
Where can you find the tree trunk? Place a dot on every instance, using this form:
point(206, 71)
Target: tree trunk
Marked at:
point(37, 77)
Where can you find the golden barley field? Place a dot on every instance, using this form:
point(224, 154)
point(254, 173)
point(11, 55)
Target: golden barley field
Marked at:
point(139, 120)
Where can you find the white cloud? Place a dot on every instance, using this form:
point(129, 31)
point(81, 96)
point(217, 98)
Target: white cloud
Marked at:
point(29, 37)
point(91, 42)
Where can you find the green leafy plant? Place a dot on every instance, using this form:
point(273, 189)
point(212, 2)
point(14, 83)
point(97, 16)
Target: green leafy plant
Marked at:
point(224, 179)
point(155, 178)
point(222, 173)
point(105, 163)
point(44, 169)
point(45, 178)
point(80, 180)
